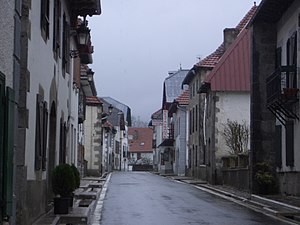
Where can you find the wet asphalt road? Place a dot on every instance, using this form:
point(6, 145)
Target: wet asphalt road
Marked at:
point(141, 198)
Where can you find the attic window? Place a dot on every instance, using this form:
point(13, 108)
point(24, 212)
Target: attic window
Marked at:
point(142, 144)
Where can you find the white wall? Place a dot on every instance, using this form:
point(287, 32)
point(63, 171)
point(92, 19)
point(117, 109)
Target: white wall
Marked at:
point(234, 106)
point(90, 133)
point(43, 69)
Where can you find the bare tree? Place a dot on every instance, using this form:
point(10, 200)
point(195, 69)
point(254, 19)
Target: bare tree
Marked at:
point(236, 136)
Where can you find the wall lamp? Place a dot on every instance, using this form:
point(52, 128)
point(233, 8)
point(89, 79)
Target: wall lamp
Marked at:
point(83, 37)
point(104, 115)
point(90, 75)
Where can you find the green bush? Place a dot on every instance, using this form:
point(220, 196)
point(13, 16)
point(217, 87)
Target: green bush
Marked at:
point(63, 181)
point(264, 178)
point(76, 176)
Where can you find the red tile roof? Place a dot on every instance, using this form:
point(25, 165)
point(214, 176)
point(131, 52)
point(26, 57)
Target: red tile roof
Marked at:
point(211, 60)
point(184, 98)
point(232, 73)
point(92, 100)
point(140, 139)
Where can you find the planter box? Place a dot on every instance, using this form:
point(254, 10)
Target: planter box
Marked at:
point(61, 205)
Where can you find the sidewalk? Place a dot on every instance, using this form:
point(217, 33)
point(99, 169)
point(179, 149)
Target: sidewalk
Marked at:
point(87, 204)
point(285, 208)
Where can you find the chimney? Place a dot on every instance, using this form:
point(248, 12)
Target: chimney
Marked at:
point(230, 35)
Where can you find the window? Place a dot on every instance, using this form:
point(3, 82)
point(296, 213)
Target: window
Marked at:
point(196, 122)
point(193, 129)
point(291, 60)
point(56, 28)
point(66, 45)
point(62, 142)
point(41, 133)
point(45, 19)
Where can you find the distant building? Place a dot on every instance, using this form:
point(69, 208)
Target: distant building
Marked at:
point(140, 146)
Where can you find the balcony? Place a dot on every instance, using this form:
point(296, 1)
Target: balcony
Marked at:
point(283, 94)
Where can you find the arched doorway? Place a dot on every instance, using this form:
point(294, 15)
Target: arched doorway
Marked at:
point(51, 150)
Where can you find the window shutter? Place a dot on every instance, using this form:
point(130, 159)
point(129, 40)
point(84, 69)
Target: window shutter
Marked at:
point(278, 145)
point(44, 133)
point(38, 130)
point(289, 143)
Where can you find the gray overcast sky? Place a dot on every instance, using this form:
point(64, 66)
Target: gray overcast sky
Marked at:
point(137, 42)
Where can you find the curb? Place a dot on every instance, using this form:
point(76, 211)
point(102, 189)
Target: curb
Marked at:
point(96, 214)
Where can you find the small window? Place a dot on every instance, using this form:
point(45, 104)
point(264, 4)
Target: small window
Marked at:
point(45, 19)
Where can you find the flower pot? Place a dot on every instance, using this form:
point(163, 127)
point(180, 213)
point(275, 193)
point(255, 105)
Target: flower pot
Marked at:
point(61, 205)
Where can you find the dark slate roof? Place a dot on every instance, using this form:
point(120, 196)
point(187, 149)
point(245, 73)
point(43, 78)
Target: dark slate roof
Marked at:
point(118, 106)
point(173, 86)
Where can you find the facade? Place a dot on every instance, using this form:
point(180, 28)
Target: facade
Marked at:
point(93, 134)
point(156, 125)
point(197, 157)
point(275, 93)
point(179, 117)
point(172, 88)
point(226, 102)
point(48, 98)
point(201, 158)
point(10, 21)
point(120, 119)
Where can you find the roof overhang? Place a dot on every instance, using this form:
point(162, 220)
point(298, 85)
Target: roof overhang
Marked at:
point(271, 10)
point(167, 143)
point(86, 7)
point(189, 76)
point(88, 86)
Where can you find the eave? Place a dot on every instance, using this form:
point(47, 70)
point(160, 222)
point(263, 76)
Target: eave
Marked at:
point(86, 7)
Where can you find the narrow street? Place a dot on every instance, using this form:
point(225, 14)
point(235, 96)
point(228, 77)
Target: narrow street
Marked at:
point(141, 198)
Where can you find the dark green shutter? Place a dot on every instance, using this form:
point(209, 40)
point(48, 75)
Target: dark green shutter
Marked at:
point(278, 145)
point(2, 107)
point(45, 128)
point(9, 150)
point(38, 132)
point(289, 132)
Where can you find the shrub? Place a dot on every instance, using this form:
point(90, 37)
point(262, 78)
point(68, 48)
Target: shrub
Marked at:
point(264, 178)
point(63, 181)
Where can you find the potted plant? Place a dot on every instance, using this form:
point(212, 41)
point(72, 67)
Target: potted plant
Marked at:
point(63, 185)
